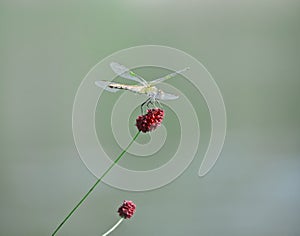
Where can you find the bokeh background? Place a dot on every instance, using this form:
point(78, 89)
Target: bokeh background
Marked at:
point(252, 50)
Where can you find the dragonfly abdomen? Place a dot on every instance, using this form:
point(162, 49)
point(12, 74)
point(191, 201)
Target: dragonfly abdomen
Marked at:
point(133, 88)
point(118, 86)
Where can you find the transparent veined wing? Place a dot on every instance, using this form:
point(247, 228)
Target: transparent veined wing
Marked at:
point(125, 73)
point(105, 85)
point(169, 76)
point(166, 96)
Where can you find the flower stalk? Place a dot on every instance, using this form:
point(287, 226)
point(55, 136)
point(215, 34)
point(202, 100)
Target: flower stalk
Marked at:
point(97, 182)
point(114, 227)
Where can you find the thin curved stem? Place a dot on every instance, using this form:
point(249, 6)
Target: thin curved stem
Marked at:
point(97, 182)
point(114, 227)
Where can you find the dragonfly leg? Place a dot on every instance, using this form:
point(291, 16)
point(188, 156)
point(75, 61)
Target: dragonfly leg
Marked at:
point(159, 104)
point(147, 101)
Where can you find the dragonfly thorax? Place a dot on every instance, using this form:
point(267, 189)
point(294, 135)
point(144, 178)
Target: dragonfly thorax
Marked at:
point(151, 91)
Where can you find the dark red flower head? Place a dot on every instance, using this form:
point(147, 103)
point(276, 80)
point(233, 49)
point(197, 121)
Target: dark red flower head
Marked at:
point(150, 121)
point(127, 209)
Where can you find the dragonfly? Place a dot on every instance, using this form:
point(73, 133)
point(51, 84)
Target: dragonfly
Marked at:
point(149, 89)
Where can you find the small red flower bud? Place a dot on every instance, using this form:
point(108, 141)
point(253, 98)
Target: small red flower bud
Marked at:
point(150, 121)
point(127, 209)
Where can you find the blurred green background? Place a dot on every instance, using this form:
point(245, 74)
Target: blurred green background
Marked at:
point(252, 50)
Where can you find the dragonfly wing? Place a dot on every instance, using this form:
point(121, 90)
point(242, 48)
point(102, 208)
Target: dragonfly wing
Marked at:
point(105, 85)
point(169, 76)
point(167, 96)
point(125, 73)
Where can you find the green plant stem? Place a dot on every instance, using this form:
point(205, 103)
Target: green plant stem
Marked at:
point(97, 182)
point(114, 227)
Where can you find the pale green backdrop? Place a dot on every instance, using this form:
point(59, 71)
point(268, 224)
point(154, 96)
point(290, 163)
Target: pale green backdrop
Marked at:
point(252, 50)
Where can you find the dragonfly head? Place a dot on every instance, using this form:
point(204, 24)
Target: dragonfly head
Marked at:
point(159, 94)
